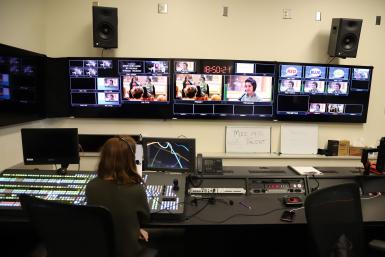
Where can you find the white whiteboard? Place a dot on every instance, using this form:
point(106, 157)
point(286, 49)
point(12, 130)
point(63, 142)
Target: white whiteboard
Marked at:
point(248, 139)
point(299, 139)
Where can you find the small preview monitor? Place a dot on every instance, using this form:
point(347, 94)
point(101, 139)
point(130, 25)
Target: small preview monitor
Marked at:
point(315, 72)
point(50, 146)
point(169, 154)
point(314, 87)
point(184, 66)
point(338, 88)
point(290, 86)
point(291, 71)
point(339, 73)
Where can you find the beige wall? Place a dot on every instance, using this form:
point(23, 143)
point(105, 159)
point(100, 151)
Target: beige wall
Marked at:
point(22, 24)
point(254, 30)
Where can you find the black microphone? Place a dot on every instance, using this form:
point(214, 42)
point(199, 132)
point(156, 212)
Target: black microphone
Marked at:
point(240, 98)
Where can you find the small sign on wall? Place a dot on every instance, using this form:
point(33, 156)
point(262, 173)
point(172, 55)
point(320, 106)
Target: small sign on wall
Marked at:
point(247, 139)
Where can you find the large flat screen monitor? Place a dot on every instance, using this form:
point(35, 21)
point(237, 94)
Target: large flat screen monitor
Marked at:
point(315, 92)
point(169, 154)
point(50, 146)
point(119, 87)
point(223, 89)
point(21, 85)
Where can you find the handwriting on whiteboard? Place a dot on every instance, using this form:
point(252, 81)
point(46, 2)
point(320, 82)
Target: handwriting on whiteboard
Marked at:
point(248, 139)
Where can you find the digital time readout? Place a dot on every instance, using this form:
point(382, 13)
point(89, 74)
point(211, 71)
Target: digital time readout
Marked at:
point(217, 69)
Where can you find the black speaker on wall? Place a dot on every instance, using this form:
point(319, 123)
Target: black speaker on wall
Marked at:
point(105, 26)
point(344, 37)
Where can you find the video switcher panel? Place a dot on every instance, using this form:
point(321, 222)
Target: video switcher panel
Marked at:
point(69, 188)
point(165, 191)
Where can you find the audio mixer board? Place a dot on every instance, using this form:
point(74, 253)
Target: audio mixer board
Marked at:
point(165, 192)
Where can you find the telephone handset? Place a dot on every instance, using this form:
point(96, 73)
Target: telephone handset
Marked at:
point(199, 162)
point(209, 165)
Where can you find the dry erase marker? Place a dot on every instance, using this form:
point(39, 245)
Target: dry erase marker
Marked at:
point(245, 205)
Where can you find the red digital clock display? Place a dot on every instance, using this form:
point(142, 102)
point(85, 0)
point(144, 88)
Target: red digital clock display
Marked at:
point(217, 69)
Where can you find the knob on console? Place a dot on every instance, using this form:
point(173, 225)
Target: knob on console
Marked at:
point(175, 183)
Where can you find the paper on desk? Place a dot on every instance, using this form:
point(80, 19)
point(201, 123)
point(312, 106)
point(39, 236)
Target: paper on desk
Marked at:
point(306, 170)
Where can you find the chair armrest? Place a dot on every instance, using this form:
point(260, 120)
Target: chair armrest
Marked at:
point(377, 245)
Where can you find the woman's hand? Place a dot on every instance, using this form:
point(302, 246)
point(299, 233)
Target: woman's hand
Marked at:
point(143, 235)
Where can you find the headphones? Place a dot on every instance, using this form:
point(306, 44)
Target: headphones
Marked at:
point(128, 144)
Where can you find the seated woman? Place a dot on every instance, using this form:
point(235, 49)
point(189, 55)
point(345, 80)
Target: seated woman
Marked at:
point(118, 188)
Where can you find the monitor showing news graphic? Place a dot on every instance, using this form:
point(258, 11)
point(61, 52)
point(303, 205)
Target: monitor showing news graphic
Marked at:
point(291, 71)
point(338, 73)
point(315, 72)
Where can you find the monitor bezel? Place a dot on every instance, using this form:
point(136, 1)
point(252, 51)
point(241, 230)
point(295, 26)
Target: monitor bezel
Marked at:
point(25, 132)
point(191, 141)
point(323, 118)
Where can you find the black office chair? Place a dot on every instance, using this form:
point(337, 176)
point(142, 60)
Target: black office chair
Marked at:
point(334, 219)
point(73, 230)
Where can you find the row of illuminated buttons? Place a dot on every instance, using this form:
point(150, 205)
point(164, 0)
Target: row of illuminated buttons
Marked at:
point(69, 199)
point(169, 192)
point(45, 180)
point(32, 175)
point(156, 190)
point(39, 186)
point(38, 192)
point(164, 205)
point(170, 205)
point(153, 190)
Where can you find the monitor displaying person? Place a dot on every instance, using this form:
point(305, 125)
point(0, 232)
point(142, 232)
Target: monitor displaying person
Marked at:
point(314, 87)
point(185, 66)
point(336, 108)
point(145, 88)
point(317, 107)
point(198, 87)
point(338, 88)
point(248, 88)
point(289, 86)
point(108, 83)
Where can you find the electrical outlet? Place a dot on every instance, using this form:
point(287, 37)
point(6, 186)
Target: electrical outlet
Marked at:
point(318, 16)
point(162, 8)
point(286, 14)
point(225, 11)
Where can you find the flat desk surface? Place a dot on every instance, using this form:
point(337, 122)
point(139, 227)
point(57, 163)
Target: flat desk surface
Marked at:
point(266, 209)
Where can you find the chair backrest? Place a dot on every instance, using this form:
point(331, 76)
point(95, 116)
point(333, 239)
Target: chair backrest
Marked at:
point(71, 230)
point(334, 219)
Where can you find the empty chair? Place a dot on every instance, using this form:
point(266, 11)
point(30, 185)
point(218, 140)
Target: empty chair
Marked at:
point(73, 230)
point(334, 218)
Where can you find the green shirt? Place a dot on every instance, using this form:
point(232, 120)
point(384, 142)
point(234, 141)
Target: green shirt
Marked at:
point(129, 208)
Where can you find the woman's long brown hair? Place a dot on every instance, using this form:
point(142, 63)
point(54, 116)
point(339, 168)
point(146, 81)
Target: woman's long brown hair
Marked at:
point(117, 160)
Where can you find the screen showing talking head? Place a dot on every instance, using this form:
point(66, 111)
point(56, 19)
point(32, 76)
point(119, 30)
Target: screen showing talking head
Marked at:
point(169, 154)
point(248, 88)
point(311, 92)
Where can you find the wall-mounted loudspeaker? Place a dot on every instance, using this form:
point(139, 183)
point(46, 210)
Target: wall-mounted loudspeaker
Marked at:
point(105, 26)
point(344, 37)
